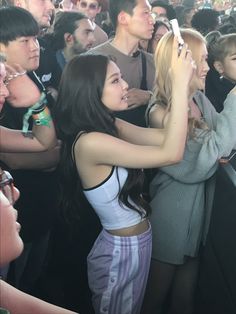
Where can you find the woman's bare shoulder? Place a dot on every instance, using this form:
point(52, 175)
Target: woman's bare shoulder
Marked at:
point(156, 115)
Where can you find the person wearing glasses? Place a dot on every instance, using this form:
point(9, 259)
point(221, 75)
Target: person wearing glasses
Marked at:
point(91, 8)
point(13, 300)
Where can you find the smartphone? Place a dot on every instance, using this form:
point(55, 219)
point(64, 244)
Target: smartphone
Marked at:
point(176, 31)
point(225, 160)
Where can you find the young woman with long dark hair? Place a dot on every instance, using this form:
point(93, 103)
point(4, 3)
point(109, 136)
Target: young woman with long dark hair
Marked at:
point(102, 159)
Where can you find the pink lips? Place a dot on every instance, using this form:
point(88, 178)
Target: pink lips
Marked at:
point(35, 57)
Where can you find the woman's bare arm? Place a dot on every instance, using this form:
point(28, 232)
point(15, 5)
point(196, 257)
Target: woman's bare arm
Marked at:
point(18, 302)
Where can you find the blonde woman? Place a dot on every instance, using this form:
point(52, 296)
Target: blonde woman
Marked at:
point(181, 194)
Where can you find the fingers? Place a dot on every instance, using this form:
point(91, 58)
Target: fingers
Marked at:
point(185, 52)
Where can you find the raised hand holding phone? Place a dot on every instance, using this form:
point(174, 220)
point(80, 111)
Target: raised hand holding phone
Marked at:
point(176, 31)
point(182, 65)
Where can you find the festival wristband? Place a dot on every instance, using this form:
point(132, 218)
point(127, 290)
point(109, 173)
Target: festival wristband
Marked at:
point(42, 118)
point(38, 107)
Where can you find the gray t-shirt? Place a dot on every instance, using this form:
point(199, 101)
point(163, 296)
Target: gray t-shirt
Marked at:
point(131, 68)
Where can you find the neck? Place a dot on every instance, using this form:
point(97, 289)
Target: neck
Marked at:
point(125, 43)
point(68, 53)
point(191, 94)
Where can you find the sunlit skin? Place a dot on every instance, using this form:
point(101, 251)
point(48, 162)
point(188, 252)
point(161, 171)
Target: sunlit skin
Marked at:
point(199, 77)
point(229, 66)
point(42, 10)
point(11, 244)
point(114, 94)
point(91, 12)
point(141, 23)
point(23, 51)
point(3, 89)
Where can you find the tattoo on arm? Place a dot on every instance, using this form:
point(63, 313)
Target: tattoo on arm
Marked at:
point(28, 134)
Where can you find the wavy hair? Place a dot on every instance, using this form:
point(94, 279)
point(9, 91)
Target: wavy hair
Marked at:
point(162, 58)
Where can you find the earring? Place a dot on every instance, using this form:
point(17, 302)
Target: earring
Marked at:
point(221, 77)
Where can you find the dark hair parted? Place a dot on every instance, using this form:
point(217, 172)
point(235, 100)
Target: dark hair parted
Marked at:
point(79, 109)
point(16, 22)
point(170, 11)
point(220, 46)
point(117, 6)
point(65, 22)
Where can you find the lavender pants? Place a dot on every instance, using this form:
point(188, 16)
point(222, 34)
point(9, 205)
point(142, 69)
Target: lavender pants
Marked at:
point(118, 269)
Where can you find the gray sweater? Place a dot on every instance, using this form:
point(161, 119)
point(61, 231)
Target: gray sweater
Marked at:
point(182, 194)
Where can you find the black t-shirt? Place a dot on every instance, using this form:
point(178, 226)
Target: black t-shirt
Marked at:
point(217, 89)
point(48, 71)
point(37, 203)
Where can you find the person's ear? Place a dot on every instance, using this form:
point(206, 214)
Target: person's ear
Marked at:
point(122, 18)
point(219, 67)
point(68, 38)
point(18, 3)
point(3, 48)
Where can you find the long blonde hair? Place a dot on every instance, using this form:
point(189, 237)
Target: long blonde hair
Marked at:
point(162, 58)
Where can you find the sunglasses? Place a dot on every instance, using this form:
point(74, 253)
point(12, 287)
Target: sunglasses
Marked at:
point(7, 185)
point(91, 6)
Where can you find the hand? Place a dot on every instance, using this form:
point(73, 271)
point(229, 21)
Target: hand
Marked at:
point(137, 97)
point(182, 65)
point(53, 92)
point(23, 92)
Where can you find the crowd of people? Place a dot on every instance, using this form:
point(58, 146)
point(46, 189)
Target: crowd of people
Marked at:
point(113, 134)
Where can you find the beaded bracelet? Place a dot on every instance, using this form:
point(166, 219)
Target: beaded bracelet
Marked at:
point(13, 76)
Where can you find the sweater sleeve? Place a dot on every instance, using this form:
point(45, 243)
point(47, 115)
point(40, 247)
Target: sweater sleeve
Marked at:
point(202, 153)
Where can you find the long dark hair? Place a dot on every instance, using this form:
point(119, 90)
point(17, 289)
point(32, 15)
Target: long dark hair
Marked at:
point(79, 109)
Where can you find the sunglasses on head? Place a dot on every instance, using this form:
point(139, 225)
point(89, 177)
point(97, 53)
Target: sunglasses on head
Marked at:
point(7, 185)
point(91, 6)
